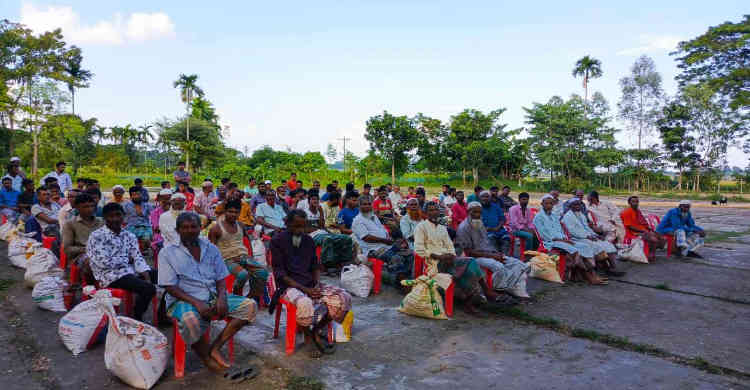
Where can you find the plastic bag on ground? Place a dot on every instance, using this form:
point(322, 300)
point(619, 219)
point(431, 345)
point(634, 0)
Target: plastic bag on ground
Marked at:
point(357, 279)
point(42, 264)
point(85, 326)
point(135, 352)
point(259, 251)
point(633, 251)
point(48, 294)
point(544, 266)
point(424, 300)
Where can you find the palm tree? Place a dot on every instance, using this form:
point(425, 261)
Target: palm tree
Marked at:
point(589, 68)
point(75, 75)
point(188, 87)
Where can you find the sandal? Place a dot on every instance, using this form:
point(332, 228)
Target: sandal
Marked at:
point(241, 375)
point(323, 345)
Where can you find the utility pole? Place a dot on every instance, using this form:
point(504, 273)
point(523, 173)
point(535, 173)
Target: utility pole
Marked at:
point(344, 139)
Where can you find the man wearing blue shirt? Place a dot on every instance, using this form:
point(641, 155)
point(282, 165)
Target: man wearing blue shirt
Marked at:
point(494, 219)
point(9, 199)
point(679, 222)
point(347, 214)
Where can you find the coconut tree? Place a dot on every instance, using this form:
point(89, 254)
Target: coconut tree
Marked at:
point(188, 88)
point(589, 68)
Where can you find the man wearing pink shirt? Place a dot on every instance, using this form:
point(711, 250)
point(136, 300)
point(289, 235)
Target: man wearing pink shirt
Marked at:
point(522, 221)
point(458, 210)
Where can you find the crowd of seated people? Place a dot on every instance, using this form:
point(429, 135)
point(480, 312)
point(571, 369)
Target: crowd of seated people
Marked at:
point(132, 242)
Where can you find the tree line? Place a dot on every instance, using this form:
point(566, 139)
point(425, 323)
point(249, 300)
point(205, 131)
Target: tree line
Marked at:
point(570, 141)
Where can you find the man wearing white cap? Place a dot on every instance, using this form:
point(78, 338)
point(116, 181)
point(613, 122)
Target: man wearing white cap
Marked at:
point(679, 222)
point(168, 220)
point(17, 162)
point(15, 176)
point(508, 274)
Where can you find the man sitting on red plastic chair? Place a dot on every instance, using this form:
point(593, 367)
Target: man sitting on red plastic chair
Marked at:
point(508, 273)
point(680, 223)
point(296, 270)
point(75, 236)
point(636, 225)
point(553, 238)
point(432, 242)
point(116, 261)
point(193, 272)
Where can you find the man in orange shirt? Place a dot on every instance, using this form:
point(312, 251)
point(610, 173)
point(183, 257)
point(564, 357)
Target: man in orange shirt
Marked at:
point(636, 224)
point(291, 184)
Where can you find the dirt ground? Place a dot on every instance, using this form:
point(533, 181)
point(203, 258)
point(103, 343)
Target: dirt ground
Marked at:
point(673, 324)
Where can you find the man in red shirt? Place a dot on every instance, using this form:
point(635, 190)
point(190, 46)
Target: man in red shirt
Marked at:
point(383, 208)
point(291, 184)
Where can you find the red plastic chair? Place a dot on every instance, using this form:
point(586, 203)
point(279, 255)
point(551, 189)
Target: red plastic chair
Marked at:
point(47, 241)
point(3, 219)
point(180, 349)
point(377, 270)
point(419, 270)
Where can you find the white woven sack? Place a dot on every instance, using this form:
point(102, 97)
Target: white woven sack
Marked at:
point(135, 352)
point(48, 294)
point(42, 264)
point(80, 328)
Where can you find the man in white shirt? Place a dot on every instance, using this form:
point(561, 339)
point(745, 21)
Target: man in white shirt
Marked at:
point(395, 196)
point(168, 220)
point(376, 242)
point(270, 215)
point(63, 179)
point(45, 211)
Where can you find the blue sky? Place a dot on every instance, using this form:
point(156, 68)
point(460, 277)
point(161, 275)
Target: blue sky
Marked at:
point(302, 74)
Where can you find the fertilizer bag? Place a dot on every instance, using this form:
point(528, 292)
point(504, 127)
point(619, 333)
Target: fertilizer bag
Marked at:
point(48, 294)
point(85, 326)
point(135, 352)
point(42, 264)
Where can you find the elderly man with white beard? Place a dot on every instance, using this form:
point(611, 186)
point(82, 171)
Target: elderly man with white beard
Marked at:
point(588, 242)
point(508, 274)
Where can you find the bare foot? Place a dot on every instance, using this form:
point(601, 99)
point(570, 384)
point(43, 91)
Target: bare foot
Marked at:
point(213, 365)
point(218, 358)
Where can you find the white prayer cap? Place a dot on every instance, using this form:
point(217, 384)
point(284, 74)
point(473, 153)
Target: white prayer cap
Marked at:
point(267, 182)
point(412, 199)
point(485, 192)
point(14, 159)
point(165, 191)
point(546, 196)
point(684, 202)
point(474, 204)
point(178, 195)
point(118, 186)
point(207, 184)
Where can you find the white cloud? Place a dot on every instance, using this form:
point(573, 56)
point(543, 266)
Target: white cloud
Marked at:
point(652, 43)
point(142, 26)
point(114, 31)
